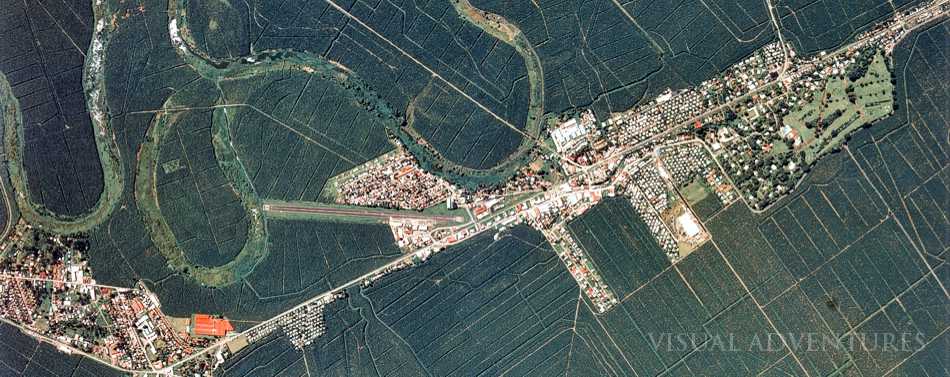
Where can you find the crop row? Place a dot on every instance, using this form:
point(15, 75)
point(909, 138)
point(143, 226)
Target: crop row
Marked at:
point(42, 49)
point(620, 244)
point(398, 49)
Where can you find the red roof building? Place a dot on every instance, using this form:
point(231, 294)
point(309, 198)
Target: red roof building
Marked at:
point(206, 325)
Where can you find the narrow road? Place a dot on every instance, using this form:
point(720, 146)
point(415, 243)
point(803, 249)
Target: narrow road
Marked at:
point(13, 277)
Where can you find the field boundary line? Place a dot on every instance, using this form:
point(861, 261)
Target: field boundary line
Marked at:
point(421, 64)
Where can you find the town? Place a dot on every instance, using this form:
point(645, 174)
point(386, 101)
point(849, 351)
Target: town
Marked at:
point(47, 290)
point(749, 136)
point(729, 138)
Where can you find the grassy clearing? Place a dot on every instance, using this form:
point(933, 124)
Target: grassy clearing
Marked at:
point(843, 107)
point(695, 191)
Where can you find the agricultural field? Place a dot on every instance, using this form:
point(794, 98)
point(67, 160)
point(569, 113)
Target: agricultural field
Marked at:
point(466, 91)
point(701, 198)
point(590, 54)
point(859, 247)
point(620, 244)
point(905, 156)
point(123, 249)
point(223, 28)
point(838, 260)
point(514, 291)
point(24, 356)
point(304, 258)
point(699, 40)
point(761, 275)
point(272, 356)
point(311, 257)
point(486, 307)
point(141, 79)
point(196, 199)
point(601, 55)
point(812, 26)
point(62, 169)
point(293, 132)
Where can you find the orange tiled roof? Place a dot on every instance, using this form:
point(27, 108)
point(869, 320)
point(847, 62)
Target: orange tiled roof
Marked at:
point(207, 325)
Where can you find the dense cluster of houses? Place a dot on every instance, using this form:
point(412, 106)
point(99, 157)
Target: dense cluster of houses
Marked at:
point(392, 181)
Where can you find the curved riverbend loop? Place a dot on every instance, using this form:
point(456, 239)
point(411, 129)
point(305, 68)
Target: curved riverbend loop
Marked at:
point(108, 151)
point(255, 247)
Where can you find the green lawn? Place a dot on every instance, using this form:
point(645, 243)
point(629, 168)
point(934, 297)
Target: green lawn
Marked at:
point(873, 100)
point(695, 191)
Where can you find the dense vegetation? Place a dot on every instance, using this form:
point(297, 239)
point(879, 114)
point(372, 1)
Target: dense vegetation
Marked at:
point(23, 356)
point(467, 92)
point(858, 249)
point(850, 253)
point(134, 245)
point(42, 51)
point(597, 54)
point(293, 132)
point(812, 26)
point(195, 196)
point(620, 245)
